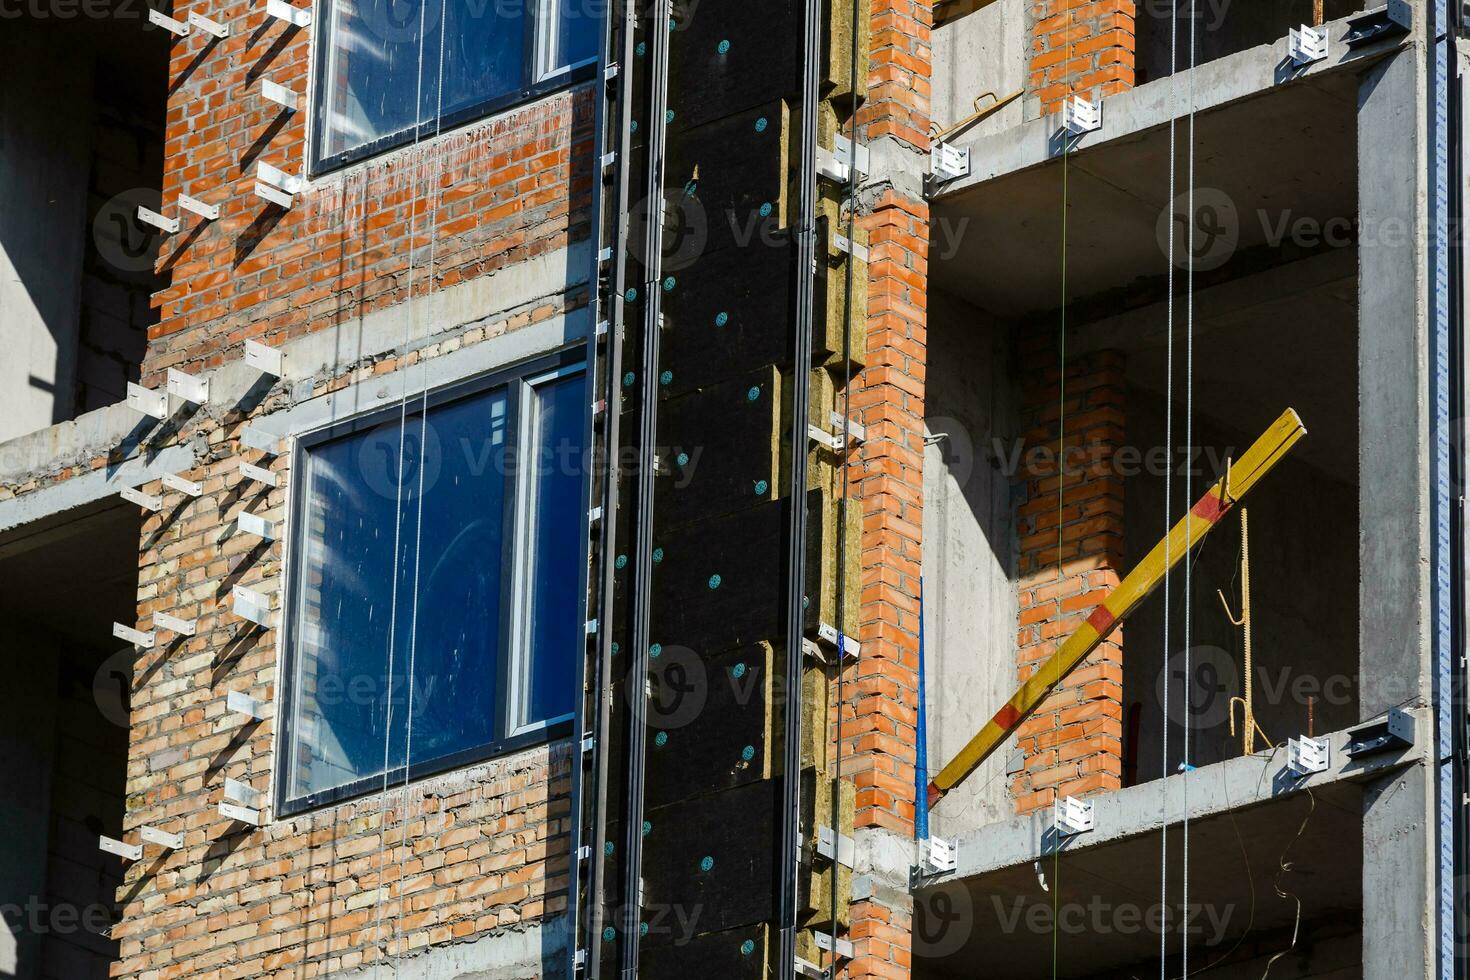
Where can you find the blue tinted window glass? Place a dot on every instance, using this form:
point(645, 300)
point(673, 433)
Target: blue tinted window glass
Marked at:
point(437, 605)
point(578, 31)
point(554, 558)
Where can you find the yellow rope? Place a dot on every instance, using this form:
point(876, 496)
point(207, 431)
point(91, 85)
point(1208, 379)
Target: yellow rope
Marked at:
point(1248, 720)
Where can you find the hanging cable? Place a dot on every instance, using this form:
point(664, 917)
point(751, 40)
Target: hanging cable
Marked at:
point(1188, 483)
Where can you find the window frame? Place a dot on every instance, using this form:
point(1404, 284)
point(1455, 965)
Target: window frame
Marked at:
point(537, 81)
point(517, 382)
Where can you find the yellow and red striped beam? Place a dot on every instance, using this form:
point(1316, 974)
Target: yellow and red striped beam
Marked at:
point(1130, 593)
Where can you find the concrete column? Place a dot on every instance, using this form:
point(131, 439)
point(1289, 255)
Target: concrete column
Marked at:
point(1394, 627)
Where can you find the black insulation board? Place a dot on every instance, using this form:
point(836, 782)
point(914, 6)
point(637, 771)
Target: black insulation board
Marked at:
point(730, 312)
point(728, 436)
point(714, 713)
point(735, 954)
point(747, 602)
point(716, 854)
point(727, 183)
point(760, 63)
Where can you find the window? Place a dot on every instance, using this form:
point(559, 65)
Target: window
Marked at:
point(432, 616)
point(389, 69)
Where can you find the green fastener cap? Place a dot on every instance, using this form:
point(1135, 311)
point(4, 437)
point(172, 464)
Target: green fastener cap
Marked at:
point(609, 934)
point(658, 554)
point(616, 649)
point(765, 209)
point(665, 377)
point(642, 48)
point(628, 379)
point(647, 828)
point(656, 650)
point(723, 47)
point(643, 928)
point(669, 113)
point(761, 486)
point(621, 561)
point(631, 295)
point(683, 459)
point(714, 581)
point(761, 124)
point(662, 738)
point(721, 318)
point(706, 863)
point(608, 848)
point(669, 282)
point(633, 126)
point(738, 670)
point(748, 753)
point(753, 393)
point(747, 947)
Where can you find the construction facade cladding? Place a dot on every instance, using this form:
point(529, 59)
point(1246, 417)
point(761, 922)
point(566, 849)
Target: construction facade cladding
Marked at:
point(841, 488)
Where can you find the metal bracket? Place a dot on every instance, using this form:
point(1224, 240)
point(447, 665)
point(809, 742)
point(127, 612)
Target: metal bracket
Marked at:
point(211, 27)
point(209, 212)
point(150, 217)
point(844, 244)
point(242, 793)
point(834, 441)
point(255, 524)
point(186, 487)
point(807, 968)
point(253, 606)
point(263, 357)
point(828, 634)
point(1074, 816)
point(280, 95)
point(1081, 115)
point(259, 439)
point(591, 627)
point(128, 852)
point(242, 703)
point(594, 515)
point(1397, 17)
point(1396, 731)
point(165, 840)
point(609, 160)
point(177, 27)
point(281, 10)
point(257, 473)
point(240, 814)
point(837, 163)
point(279, 198)
point(188, 387)
point(948, 162)
point(182, 627)
point(1305, 756)
point(144, 500)
point(940, 856)
point(1306, 45)
point(836, 847)
point(148, 401)
point(137, 638)
point(839, 947)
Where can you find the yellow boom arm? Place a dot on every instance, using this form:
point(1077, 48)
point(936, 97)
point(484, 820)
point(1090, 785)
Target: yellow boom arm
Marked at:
point(1191, 529)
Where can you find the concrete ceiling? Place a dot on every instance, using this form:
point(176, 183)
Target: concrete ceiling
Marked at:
point(998, 924)
point(1289, 152)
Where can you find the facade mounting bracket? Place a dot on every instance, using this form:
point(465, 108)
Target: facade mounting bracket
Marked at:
point(128, 852)
point(211, 27)
point(1306, 45)
point(1074, 816)
point(837, 163)
point(260, 440)
point(153, 219)
point(241, 703)
point(147, 501)
point(257, 473)
point(148, 401)
point(191, 389)
point(281, 10)
point(254, 524)
point(165, 840)
point(263, 357)
point(1305, 755)
point(949, 162)
point(137, 638)
point(176, 27)
point(240, 814)
point(209, 212)
point(1081, 115)
point(280, 95)
point(181, 627)
point(1394, 731)
point(188, 488)
point(253, 606)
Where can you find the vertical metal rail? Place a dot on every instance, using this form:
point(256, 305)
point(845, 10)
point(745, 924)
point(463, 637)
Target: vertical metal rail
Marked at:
point(661, 12)
point(790, 851)
point(609, 209)
point(1460, 467)
point(1438, 50)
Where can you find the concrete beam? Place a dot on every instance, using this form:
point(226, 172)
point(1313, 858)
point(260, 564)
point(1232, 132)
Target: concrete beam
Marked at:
point(94, 486)
point(1143, 809)
point(1211, 85)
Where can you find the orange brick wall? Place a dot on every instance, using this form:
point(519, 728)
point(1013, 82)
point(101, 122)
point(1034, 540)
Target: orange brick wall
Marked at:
point(488, 195)
point(1072, 744)
point(1080, 47)
point(880, 713)
point(461, 855)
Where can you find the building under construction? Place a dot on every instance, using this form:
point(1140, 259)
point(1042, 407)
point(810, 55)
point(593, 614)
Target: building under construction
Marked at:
point(839, 489)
